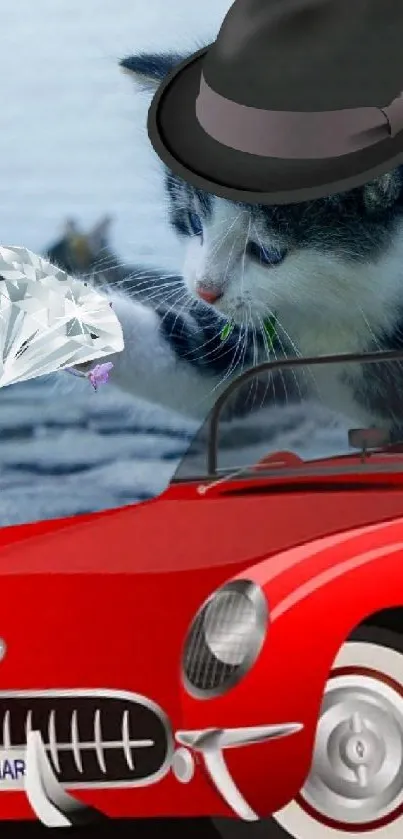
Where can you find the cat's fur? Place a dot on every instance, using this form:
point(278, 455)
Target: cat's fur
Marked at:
point(335, 284)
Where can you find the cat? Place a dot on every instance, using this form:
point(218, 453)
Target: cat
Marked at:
point(82, 253)
point(330, 270)
point(90, 255)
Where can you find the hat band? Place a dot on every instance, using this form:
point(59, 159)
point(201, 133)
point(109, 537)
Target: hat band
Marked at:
point(299, 135)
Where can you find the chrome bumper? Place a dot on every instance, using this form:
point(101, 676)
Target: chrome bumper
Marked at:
point(211, 743)
point(51, 804)
point(57, 808)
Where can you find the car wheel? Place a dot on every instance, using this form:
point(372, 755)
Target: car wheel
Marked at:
point(355, 785)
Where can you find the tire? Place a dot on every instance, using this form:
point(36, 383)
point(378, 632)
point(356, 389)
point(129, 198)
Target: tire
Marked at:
point(363, 697)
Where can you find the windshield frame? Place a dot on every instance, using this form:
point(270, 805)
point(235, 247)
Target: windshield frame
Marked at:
point(216, 411)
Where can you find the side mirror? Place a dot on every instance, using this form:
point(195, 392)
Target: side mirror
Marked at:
point(368, 438)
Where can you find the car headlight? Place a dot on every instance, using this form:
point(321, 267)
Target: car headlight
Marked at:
point(224, 639)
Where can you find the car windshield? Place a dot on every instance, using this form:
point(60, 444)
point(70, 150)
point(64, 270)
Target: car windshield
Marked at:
point(281, 417)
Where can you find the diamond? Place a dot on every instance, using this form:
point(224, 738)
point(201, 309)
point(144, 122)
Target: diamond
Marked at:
point(48, 319)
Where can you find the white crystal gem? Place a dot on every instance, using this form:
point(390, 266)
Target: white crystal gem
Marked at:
point(48, 319)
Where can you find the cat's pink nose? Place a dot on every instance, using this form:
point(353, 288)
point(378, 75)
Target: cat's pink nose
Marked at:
point(208, 295)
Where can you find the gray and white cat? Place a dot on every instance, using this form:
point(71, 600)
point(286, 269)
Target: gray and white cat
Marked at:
point(331, 270)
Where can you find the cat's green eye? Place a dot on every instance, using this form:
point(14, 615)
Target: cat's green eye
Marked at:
point(226, 330)
point(269, 325)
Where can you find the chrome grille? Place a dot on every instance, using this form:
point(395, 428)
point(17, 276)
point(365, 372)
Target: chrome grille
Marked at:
point(224, 639)
point(92, 738)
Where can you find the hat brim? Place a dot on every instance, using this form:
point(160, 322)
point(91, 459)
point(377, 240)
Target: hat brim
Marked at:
point(190, 153)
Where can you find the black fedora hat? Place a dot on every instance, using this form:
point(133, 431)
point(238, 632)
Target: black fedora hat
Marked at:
point(296, 99)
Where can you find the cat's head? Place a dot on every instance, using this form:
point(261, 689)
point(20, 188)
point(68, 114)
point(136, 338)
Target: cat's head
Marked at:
point(324, 256)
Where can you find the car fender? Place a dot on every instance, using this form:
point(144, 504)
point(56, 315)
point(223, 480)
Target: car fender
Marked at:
point(317, 594)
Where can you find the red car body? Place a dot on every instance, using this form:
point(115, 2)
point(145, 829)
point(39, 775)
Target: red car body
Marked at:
point(100, 605)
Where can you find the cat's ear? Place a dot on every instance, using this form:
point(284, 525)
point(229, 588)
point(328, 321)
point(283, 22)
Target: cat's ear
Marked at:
point(149, 69)
point(384, 191)
point(98, 236)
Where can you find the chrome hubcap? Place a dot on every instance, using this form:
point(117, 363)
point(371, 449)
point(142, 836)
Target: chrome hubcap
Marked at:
point(357, 770)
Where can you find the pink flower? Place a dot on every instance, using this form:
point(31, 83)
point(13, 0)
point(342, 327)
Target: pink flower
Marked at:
point(99, 375)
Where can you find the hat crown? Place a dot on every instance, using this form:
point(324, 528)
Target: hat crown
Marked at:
point(309, 55)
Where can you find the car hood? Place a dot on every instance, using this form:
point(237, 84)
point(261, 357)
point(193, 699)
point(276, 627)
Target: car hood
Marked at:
point(85, 597)
point(172, 534)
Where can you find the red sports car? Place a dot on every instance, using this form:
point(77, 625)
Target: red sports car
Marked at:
point(232, 648)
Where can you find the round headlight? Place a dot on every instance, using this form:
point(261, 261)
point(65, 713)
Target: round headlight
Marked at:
point(225, 638)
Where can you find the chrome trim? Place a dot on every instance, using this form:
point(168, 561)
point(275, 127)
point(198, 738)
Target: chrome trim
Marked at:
point(75, 742)
point(183, 765)
point(52, 740)
point(6, 731)
point(99, 746)
point(217, 770)
point(211, 742)
point(28, 721)
point(126, 740)
point(227, 738)
point(102, 693)
point(50, 803)
point(256, 595)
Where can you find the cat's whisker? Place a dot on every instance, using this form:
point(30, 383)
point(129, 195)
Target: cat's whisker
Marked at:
point(141, 280)
point(306, 372)
point(234, 362)
point(109, 260)
point(181, 308)
point(243, 257)
point(173, 308)
point(369, 327)
point(146, 276)
point(280, 325)
point(152, 292)
point(152, 274)
point(224, 279)
point(293, 373)
point(218, 243)
point(270, 352)
point(212, 340)
point(255, 361)
point(258, 236)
